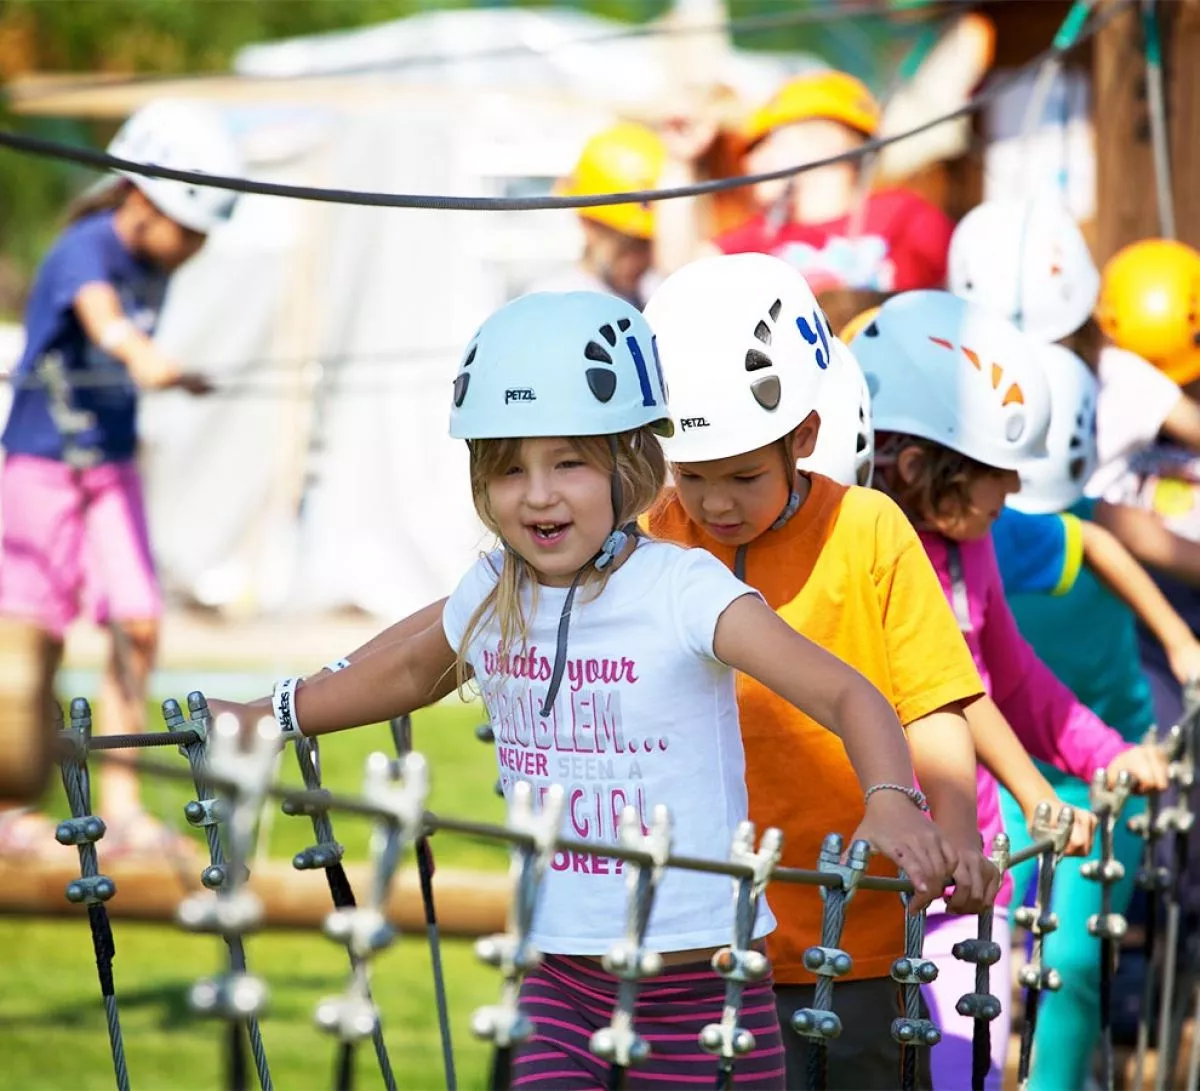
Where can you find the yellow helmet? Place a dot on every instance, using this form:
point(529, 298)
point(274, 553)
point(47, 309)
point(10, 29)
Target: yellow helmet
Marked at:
point(1150, 304)
point(831, 95)
point(619, 159)
point(1183, 369)
point(857, 324)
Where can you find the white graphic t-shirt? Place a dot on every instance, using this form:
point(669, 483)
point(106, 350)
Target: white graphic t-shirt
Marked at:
point(645, 715)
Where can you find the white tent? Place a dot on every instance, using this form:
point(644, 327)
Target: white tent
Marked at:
point(324, 477)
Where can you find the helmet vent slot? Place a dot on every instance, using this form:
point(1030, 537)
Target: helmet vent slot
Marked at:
point(603, 384)
point(766, 391)
point(598, 353)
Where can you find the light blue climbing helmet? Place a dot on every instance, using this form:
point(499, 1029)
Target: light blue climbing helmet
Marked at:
point(560, 364)
point(563, 364)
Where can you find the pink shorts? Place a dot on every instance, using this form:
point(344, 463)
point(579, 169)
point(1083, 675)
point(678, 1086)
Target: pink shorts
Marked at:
point(74, 541)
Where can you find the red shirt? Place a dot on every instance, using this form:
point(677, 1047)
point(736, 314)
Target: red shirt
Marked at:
point(902, 245)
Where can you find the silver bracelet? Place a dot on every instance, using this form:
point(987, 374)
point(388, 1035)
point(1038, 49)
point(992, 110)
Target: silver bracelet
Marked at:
point(917, 796)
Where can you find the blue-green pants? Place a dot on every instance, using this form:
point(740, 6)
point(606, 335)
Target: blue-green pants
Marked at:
point(1069, 1020)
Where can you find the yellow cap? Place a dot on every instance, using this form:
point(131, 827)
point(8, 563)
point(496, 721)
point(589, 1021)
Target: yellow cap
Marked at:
point(828, 95)
point(620, 159)
point(1150, 303)
point(857, 324)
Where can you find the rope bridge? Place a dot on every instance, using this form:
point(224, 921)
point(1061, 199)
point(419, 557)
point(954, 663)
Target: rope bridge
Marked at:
point(232, 779)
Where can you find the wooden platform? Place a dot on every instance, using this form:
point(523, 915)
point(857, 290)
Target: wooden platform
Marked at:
point(469, 903)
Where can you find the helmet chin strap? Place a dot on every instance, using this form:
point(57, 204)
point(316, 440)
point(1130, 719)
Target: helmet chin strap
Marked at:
point(612, 548)
point(789, 509)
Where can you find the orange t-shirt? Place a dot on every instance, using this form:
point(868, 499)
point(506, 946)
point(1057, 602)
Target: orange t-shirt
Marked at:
point(849, 572)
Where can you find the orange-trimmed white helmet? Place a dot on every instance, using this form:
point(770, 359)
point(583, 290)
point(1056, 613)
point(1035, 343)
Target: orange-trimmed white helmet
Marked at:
point(955, 373)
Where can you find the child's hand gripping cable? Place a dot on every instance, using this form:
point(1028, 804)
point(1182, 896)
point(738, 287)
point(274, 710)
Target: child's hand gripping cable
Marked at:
point(1121, 573)
point(943, 755)
point(99, 310)
point(1003, 755)
point(1146, 764)
point(755, 640)
point(1054, 726)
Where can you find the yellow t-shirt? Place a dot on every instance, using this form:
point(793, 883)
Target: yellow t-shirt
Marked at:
point(849, 572)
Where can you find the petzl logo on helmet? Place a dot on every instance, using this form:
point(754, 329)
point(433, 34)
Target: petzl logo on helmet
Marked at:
point(693, 422)
point(519, 394)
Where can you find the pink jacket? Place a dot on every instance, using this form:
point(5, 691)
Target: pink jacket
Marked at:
point(1043, 712)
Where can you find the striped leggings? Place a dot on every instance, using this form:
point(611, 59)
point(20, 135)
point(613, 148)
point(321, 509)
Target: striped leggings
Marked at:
point(568, 998)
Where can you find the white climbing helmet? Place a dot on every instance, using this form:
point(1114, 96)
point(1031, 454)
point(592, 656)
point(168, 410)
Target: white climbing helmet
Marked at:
point(1027, 260)
point(184, 136)
point(745, 347)
point(949, 371)
point(560, 364)
point(1054, 483)
point(845, 448)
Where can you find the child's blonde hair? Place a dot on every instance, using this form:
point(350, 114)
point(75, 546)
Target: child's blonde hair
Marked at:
point(637, 460)
point(942, 484)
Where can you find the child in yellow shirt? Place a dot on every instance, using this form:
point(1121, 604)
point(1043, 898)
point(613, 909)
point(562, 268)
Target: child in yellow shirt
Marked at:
point(744, 346)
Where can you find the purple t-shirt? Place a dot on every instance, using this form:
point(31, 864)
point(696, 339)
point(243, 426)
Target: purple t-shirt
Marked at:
point(95, 407)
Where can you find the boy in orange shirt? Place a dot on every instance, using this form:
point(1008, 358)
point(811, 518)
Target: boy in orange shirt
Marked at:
point(844, 567)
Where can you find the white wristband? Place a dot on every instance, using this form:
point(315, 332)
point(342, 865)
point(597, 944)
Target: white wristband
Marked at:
point(283, 704)
point(115, 334)
point(337, 665)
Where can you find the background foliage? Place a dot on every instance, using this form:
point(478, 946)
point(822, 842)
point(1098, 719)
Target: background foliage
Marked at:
point(176, 37)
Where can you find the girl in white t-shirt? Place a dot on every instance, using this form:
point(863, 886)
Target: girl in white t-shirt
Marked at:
point(607, 662)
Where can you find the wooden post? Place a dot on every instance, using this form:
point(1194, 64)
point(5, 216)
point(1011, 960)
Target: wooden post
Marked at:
point(1124, 158)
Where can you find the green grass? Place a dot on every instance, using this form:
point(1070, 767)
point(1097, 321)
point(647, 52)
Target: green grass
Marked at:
point(52, 1022)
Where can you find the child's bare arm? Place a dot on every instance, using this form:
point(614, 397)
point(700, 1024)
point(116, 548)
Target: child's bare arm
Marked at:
point(1121, 573)
point(1003, 755)
point(398, 678)
point(944, 758)
point(395, 680)
point(1183, 422)
point(752, 638)
point(402, 630)
point(1148, 539)
point(99, 310)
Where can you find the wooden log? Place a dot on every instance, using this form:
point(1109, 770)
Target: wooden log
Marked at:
point(469, 903)
point(1125, 165)
point(25, 712)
